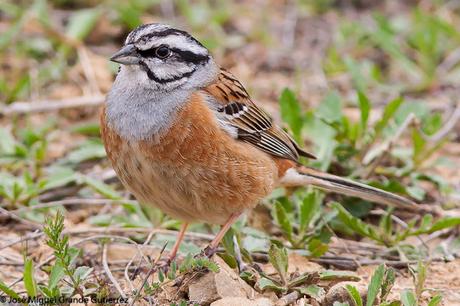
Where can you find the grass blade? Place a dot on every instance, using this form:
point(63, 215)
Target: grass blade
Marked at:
point(374, 286)
point(408, 298)
point(8, 291)
point(29, 280)
point(354, 294)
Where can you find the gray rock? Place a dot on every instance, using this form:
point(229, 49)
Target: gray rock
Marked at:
point(214, 286)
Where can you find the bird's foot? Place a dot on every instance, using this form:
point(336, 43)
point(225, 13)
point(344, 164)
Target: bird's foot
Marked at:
point(208, 251)
point(163, 265)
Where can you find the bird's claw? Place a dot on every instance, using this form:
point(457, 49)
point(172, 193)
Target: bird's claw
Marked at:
point(207, 252)
point(163, 265)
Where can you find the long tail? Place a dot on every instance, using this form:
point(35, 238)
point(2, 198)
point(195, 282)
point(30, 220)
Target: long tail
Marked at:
point(306, 176)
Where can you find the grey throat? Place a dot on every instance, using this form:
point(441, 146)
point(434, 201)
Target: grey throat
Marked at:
point(137, 109)
point(137, 112)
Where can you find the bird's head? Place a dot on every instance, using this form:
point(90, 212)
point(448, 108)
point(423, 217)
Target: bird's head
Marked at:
point(163, 58)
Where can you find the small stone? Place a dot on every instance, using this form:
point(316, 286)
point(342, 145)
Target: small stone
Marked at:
point(240, 301)
point(338, 293)
point(213, 286)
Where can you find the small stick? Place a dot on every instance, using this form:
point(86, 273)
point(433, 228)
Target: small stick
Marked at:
point(36, 234)
point(288, 299)
point(109, 273)
point(151, 271)
point(386, 146)
point(84, 240)
point(448, 127)
point(22, 107)
point(17, 218)
point(136, 230)
point(88, 70)
point(350, 263)
point(380, 212)
point(33, 235)
point(74, 201)
point(147, 241)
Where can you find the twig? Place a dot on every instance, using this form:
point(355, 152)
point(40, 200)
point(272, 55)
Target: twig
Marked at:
point(17, 218)
point(237, 250)
point(378, 161)
point(136, 230)
point(17, 264)
point(335, 235)
point(109, 273)
point(289, 25)
point(449, 62)
point(59, 193)
point(381, 212)
point(448, 127)
point(151, 271)
point(37, 235)
point(50, 105)
point(147, 241)
point(167, 9)
point(438, 234)
point(288, 299)
point(74, 201)
point(88, 70)
point(350, 263)
point(109, 230)
point(386, 146)
point(30, 236)
point(84, 240)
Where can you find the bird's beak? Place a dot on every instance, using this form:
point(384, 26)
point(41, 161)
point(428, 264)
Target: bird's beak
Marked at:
point(126, 55)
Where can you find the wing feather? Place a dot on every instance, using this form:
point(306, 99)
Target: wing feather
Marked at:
point(235, 108)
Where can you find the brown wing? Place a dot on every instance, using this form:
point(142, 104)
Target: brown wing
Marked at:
point(252, 124)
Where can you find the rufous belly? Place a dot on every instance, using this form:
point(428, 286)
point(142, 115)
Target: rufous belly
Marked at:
point(194, 171)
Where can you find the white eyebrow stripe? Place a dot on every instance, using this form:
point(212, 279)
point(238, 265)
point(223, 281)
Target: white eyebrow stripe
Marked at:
point(145, 30)
point(176, 41)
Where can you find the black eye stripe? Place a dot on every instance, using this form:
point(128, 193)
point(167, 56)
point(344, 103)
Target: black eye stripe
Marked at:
point(186, 56)
point(148, 52)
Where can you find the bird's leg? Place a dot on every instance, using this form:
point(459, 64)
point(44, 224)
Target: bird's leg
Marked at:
point(212, 247)
point(164, 264)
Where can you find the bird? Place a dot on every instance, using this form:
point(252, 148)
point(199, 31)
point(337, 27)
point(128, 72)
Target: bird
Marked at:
point(184, 135)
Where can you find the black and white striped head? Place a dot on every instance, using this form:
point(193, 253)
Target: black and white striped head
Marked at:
point(160, 57)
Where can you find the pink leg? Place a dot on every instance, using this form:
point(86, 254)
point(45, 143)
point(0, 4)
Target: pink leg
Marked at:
point(212, 247)
point(180, 237)
point(164, 263)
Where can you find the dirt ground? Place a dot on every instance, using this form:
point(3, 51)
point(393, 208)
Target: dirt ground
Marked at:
point(266, 71)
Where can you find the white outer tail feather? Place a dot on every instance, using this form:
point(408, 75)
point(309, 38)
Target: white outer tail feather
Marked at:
point(305, 176)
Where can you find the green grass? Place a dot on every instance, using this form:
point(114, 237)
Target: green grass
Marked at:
point(392, 64)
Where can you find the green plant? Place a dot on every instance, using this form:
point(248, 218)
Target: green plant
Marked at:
point(415, 45)
point(302, 221)
point(385, 233)
point(380, 287)
point(311, 284)
point(189, 265)
point(65, 277)
point(65, 265)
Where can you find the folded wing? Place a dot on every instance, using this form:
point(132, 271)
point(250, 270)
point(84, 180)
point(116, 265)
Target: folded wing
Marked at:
point(236, 111)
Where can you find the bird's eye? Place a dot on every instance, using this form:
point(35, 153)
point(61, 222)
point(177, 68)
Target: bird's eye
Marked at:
point(162, 52)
